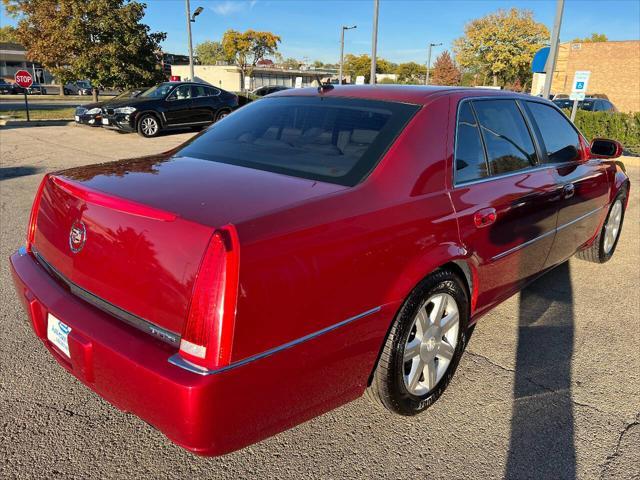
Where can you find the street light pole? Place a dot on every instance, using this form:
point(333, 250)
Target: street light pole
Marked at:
point(553, 50)
point(190, 19)
point(374, 42)
point(342, 49)
point(426, 80)
point(190, 41)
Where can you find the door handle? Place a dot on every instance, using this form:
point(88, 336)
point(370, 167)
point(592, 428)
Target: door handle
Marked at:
point(484, 217)
point(568, 190)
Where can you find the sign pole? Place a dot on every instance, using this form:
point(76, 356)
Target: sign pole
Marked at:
point(24, 80)
point(553, 52)
point(26, 105)
point(574, 110)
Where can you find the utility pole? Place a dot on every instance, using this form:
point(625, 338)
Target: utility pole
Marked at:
point(431, 45)
point(342, 50)
point(553, 50)
point(374, 41)
point(191, 19)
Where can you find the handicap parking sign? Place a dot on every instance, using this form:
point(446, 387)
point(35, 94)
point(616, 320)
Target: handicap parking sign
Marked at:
point(580, 81)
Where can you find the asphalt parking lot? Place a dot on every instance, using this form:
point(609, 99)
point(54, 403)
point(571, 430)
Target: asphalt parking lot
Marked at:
point(548, 388)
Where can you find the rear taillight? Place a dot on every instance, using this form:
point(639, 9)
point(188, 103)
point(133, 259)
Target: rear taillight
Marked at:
point(208, 333)
point(31, 229)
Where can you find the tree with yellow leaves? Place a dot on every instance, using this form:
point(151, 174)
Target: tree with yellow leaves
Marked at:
point(501, 45)
point(248, 48)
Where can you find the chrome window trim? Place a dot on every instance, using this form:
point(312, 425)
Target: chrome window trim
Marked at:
point(544, 235)
point(178, 361)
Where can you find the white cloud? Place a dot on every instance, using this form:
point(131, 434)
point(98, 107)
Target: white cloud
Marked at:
point(230, 7)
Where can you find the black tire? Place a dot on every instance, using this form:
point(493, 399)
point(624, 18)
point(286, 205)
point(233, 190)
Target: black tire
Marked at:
point(387, 386)
point(144, 125)
point(221, 114)
point(597, 252)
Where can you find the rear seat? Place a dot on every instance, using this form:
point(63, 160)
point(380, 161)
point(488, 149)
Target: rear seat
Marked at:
point(359, 142)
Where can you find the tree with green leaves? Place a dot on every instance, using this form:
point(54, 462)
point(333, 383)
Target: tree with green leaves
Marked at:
point(595, 37)
point(9, 34)
point(103, 41)
point(501, 45)
point(411, 72)
point(445, 72)
point(360, 65)
point(248, 48)
point(210, 52)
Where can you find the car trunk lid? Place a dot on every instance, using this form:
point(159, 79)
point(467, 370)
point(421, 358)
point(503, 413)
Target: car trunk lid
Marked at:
point(135, 261)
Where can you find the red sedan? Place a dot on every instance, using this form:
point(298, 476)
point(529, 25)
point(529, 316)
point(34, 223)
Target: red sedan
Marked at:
point(313, 245)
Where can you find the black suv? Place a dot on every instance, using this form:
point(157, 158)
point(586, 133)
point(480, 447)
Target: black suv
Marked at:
point(169, 105)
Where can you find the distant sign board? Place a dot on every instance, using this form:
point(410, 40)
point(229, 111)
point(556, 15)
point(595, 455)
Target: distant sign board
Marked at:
point(580, 81)
point(360, 80)
point(577, 96)
point(298, 82)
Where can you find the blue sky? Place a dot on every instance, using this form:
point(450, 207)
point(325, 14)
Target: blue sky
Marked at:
point(311, 29)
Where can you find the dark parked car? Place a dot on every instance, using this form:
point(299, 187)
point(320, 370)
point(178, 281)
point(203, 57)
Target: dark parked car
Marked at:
point(590, 104)
point(6, 88)
point(268, 89)
point(169, 105)
point(36, 89)
point(313, 245)
point(91, 113)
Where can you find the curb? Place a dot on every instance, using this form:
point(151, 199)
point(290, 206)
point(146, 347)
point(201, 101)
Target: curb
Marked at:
point(36, 123)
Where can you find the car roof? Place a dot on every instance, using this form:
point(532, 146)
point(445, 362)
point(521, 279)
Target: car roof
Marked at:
point(415, 94)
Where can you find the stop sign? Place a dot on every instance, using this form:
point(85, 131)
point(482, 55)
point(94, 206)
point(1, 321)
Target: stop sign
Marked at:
point(23, 78)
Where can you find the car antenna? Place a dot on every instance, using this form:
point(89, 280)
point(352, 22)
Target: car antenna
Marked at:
point(323, 86)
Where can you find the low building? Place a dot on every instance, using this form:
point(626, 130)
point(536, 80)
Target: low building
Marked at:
point(228, 77)
point(13, 57)
point(614, 67)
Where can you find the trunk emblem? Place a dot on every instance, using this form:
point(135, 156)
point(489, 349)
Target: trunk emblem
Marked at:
point(77, 236)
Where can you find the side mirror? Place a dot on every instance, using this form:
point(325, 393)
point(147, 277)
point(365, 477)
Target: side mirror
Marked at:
point(604, 148)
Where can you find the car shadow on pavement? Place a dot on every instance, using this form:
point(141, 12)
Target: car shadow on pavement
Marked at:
point(542, 422)
point(7, 173)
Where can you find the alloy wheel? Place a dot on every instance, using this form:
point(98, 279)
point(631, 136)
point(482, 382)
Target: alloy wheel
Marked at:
point(431, 344)
point(149, 126)
point(612, 228)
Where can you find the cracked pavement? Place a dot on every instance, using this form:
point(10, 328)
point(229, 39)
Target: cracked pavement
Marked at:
point(548, 388)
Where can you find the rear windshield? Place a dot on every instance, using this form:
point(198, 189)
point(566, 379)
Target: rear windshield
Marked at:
point(336, 140)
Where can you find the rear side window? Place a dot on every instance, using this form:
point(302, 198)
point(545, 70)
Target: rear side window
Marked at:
point(506, 136)
point(211, 92)
point(337, 140)
point(561, 141)
point(471, 163)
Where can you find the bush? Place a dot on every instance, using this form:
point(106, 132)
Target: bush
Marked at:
point(623, 127)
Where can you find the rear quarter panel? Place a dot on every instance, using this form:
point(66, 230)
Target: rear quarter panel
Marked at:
point(315, 264)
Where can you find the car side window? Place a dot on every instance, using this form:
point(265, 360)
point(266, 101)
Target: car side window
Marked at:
point(506, 136)
point(212, 92)
point(470, 160)
point(183, 92)
point(561, 141)
point(198, 91)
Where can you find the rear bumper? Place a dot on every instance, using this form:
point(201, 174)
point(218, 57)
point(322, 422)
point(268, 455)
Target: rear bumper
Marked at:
point(206, 414)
